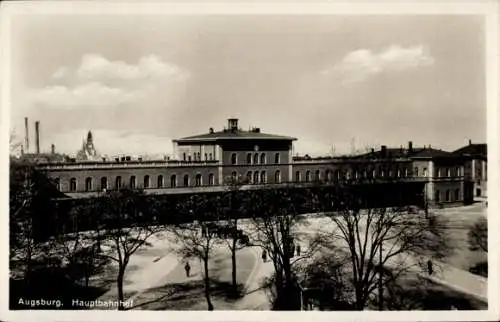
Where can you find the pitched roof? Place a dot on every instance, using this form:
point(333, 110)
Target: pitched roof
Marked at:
point(405, 153)
point(231, 135)
point(473, 149)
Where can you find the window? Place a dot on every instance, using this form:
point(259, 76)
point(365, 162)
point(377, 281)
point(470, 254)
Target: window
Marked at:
point(438, 172)
point(457, 194)
point(399, 173)
point(256, 158)
point(159, 181)
point(118, 182)
point(317, 175)
point(132, 182)
point(57, 183)
point(308, 176)
point(234, 175)
point(210, 156)
point(263, 177)
point(348, 175)
point(415, 172)
point(277, 176)
point(365, 174)
point(249, 158)
point(297, 176)
point(146, 181)
point(186, 180)
point(437, 197)
point(198, 180)
point(249, 176)
point(277, 158)
point(88, 184)
point(448, 172)
point(233, 158)
point(406, 172)
point(104, 183)
point(256, 177)
point(173, 181)
point(189, 158)
point(447, 195)
point(211, 179)
point(424, 173)
point(374, 173)
point(72, 185)
point(458, 172)
point(263, 158)
point(328, 175)
point(356, 174)
point(199, 156)
point(382, 173)
point(206, 157)
point(184, 156)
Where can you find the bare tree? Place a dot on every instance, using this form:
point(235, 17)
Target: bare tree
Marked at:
point(197, 239)
point(125, 227)
point(478, 235)
point(377, 238)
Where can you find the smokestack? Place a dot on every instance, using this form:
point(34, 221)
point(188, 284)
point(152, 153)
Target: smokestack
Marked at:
point(37, 136)
point(410, 146)
point(52, 149)
point(470, 142)
point(26, 136)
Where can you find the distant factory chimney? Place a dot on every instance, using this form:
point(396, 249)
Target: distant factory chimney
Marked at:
point(232, 124)
point(410, 146)
point(52, 149)
point(37, 136)
point(470, 142)
point(26, 135)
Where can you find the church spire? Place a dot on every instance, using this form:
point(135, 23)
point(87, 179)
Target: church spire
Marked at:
point(89, 137)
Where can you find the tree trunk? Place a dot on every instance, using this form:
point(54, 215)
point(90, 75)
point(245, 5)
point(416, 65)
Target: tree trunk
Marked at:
point(207, 285)
point(233, 262)
point(119, 283)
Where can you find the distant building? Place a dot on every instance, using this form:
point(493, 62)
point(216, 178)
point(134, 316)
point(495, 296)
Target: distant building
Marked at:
point(476, 168)
point(88, 151)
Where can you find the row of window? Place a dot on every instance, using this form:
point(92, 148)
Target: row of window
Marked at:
point(256, 158)
point(197, 157)
point(448, 196)
point(337, 174)
point(439, 172)
point(103, 184)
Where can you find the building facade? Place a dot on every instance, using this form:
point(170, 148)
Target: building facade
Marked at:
point(205, 162)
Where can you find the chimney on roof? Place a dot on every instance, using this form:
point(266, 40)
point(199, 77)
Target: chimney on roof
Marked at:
point(383, 150)
point(373, 150)
point(52, 149)
point(37, 136)
point(232, 124)
point(26, 135)
point(410, 146)
point(211, 130)
point(470, 142)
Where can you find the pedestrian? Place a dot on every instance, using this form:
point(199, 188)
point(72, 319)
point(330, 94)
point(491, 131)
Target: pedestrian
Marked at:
point(264, 256)
point(429, 267)
point(298, 250)
point(187, 268)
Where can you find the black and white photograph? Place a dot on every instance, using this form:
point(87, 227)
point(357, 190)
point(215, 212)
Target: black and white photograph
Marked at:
point(245, 158)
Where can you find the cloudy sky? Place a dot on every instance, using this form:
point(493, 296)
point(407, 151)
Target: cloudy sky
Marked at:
point(139, 81)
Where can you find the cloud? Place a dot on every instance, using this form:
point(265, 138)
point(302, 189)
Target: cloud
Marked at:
point(88, 95)
point(111, 143)
point(93, 66)
point(359, 65)
point(61, 73)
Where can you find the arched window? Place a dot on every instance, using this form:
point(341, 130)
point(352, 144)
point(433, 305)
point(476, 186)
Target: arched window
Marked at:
point(210, 156)
point(457, 194)
point(448, 172)
point(249, 158)
point(211, 179)
point(146, 182)
point(256, 158)
point(382, 173)
point(328, 175)
point(186, 180)
point(118, 182)
point(277, 158)
point(234, 159)
point(256, 177)
point(263, 158)
point(104, 183)
point(263, 177)
point(132, 182)
point(399, 173)
point(277, 176)
point(297, 176)
point(72, 185)
point(437, 197)
point(159, 181)
point(415, 172)
point(234, 175)
point(184, 156)
point(199, 156)
point(88, 184)
point(424, 173)
point(249, 176)
point(438, 172)
point(308, 176)
point(356, 174)
point(57, 183)
point(337, 174)
point(406, 172)
point(458, 172)
point(206, 156)
point(317, 175)
point(189, 158)
point(198, 180)
point(374, 173)
point(447, 195)
point(173, 181)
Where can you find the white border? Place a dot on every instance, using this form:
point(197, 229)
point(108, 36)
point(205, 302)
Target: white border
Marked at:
point(488, 8)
